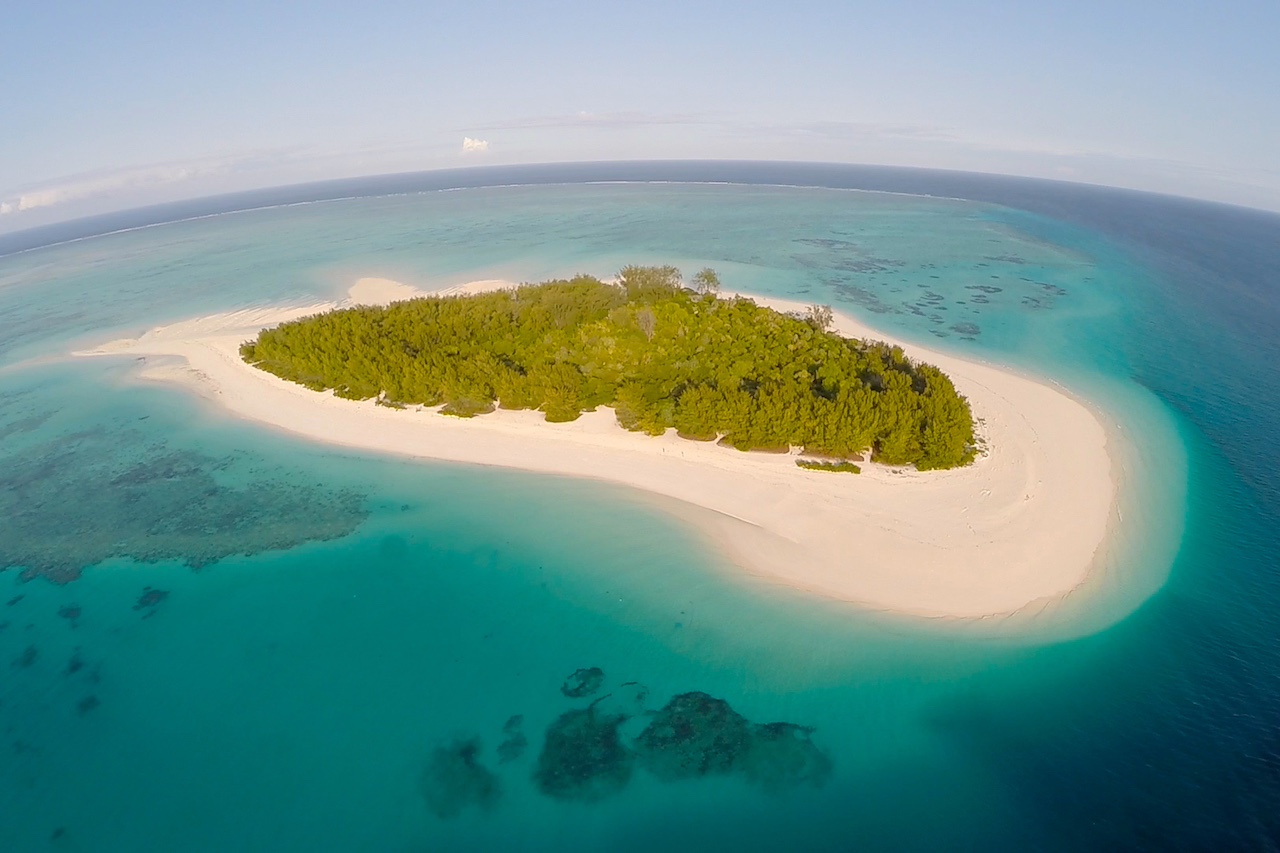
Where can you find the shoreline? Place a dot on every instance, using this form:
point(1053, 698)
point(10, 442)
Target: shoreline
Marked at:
point(1018, 530)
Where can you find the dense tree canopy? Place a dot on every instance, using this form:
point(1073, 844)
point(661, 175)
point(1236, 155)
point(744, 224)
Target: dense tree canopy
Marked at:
point(661, 355)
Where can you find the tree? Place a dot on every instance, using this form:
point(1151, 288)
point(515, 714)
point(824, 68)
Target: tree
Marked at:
point(648, 284)
point(647, 322)
point(820, 317)
point(706, 281)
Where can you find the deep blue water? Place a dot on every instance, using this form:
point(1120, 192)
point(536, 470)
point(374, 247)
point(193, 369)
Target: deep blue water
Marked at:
point(353, 614)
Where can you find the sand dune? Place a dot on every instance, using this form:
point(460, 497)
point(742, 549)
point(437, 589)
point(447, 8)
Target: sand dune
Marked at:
point(1018, 529)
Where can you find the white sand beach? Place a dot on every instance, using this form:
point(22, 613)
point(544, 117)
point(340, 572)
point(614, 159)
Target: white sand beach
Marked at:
point(1016, 531)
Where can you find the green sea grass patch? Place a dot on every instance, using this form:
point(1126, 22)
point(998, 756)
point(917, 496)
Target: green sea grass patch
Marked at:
point(662, 356)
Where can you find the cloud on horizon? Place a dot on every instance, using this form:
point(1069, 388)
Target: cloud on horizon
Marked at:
point(80, 187)
point(588, 136)
point(129, 180)
point(583, 118)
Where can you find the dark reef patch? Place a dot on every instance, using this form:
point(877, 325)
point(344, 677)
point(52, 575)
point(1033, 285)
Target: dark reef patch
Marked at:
point(583, 757)
point(514, 742)
point(75, 663)
point(861, 296)
point(512, 748)
point(845, 256)
point(94, 495)
point(583, 682)
point(24, 425)
point(454, 780)
point(828, 243)
point(27, 658)
point(695, 734)
point(87, 704)
point(150, 598)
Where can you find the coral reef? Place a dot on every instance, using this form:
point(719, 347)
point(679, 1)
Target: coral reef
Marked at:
point(693, 735)
point(27, 658)
point(150, 598)
point(697, 735)
point(583, 757)
point(454, 779)
point(515, 742)
point(75, 664)
point(583, 682)
point(75, 501)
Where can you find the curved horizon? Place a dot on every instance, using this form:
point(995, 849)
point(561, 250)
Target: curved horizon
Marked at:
point(1016, 191)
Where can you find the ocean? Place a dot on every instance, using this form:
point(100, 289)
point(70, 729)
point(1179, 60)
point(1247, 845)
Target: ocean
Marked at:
point(217, 637)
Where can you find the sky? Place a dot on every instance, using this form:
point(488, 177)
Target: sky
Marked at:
point(109, 106)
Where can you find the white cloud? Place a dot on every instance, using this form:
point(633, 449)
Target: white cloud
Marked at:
point(474, 146)
point(583, 118)
point(79, 187)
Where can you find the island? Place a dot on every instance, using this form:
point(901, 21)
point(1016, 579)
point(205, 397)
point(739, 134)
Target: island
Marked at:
point(1019, 527)
point(661, 355)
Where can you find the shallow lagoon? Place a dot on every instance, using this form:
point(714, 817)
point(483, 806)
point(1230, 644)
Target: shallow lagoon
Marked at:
point(293, 695)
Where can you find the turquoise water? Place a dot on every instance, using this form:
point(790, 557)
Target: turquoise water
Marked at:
point(352, 615)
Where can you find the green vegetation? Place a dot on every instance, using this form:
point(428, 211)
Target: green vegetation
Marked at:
point(661, 355)
point(836, 465)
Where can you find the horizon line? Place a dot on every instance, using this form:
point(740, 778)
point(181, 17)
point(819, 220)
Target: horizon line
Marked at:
point(96, 225)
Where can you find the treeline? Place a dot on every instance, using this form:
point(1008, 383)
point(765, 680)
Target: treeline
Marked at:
point(661, 355)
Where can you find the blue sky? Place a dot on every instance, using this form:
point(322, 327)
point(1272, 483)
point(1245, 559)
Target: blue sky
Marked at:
point(112, 105)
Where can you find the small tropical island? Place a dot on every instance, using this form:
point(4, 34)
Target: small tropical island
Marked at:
point(987, 492)
point(661, 355)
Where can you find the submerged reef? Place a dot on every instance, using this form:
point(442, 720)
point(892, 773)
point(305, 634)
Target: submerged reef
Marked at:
point(514, 743)
point(75, 663)
point(583, 682)
point(696, 735)
point(150, 598)
point(27, 658)
point(454, 780)
point(90, 496)
point(587, 755)
point(693, 735)
point(583, 757)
